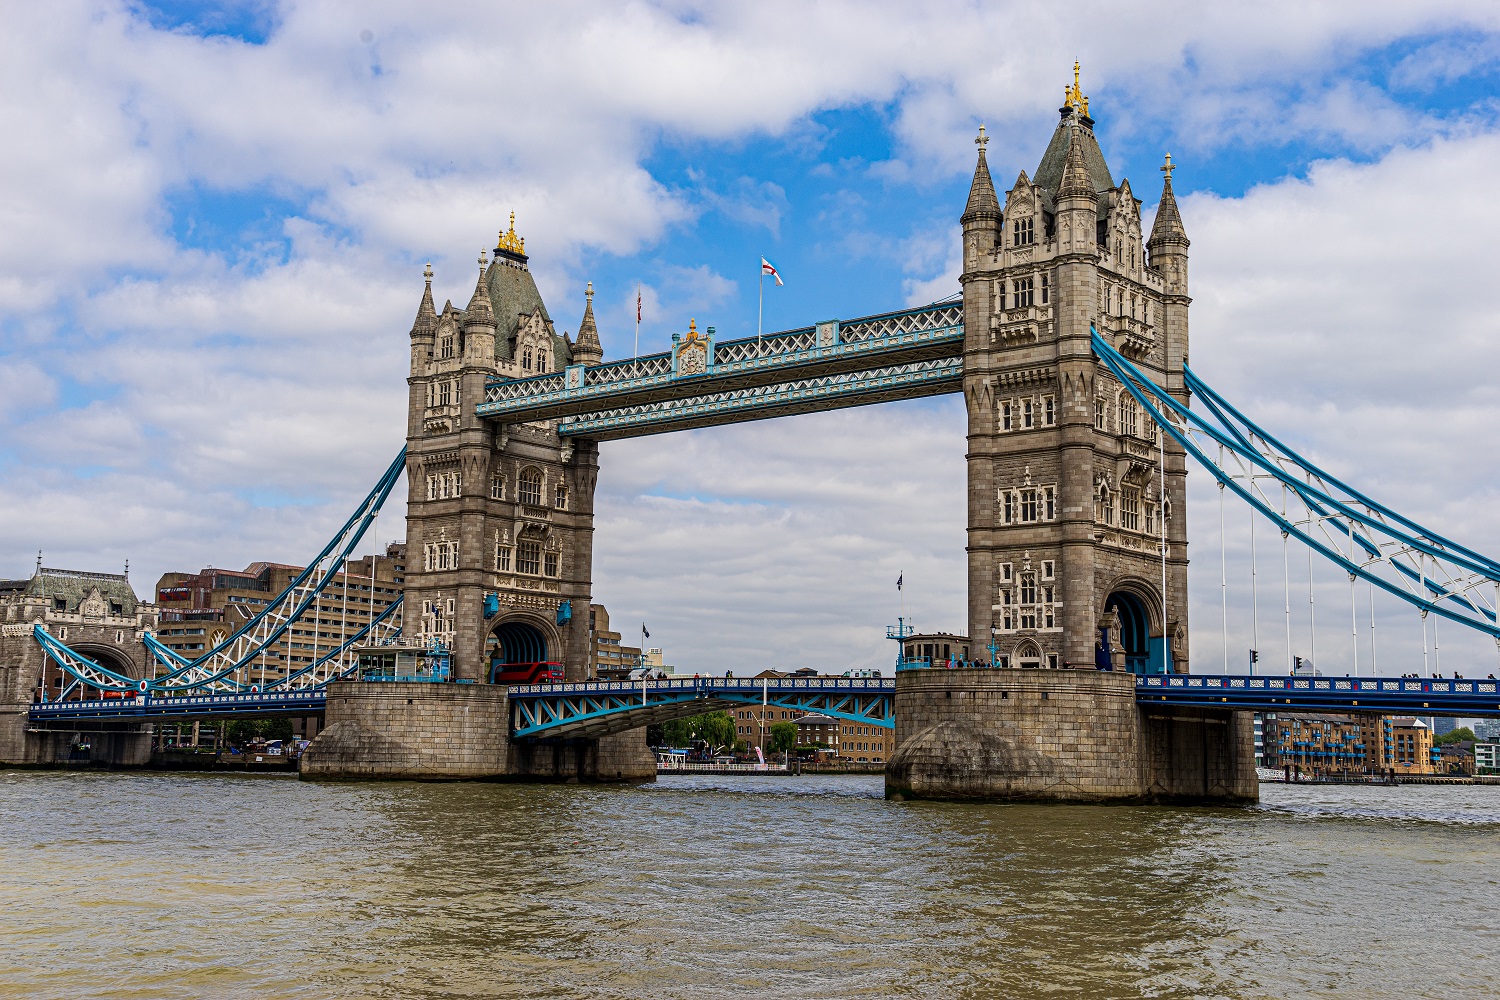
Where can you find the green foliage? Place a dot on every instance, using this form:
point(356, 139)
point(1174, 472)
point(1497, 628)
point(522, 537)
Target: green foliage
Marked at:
point(1457, 736)
point(717, 728)
point(783, 737)
point(242, 731)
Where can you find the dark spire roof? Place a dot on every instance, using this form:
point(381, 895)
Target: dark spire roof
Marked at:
point(479, 311)
point(426, 321)
point(1168, 224)
point(982, 202)
point(1072, 127)
point(587, 349)
point(1075, 179)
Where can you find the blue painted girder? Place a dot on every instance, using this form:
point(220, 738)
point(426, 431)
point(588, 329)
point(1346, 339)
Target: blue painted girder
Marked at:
point(1385, 695)
point(886, 342)
point(148, 706)
point(600, 708)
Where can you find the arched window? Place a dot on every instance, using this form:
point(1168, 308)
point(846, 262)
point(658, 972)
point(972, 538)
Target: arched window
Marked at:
point(1129, 415)
point(531, 487)
point(526, 359)
point(541, 361)
point(560, 500)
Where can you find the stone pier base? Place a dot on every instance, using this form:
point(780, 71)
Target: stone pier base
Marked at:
point(1061, 736)
point(454, 732)
point(87, 743)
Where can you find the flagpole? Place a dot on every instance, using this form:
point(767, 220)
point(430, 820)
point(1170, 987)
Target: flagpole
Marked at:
point(760, 313)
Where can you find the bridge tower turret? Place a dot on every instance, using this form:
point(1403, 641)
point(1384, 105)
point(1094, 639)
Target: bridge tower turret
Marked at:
point(1065, 481)
point(499, 516)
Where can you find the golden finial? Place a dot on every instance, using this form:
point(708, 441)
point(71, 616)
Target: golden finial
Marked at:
point(1168, 167)
point(692, 329)
point(983, 140)
point(509, 241)
point(1073, 96)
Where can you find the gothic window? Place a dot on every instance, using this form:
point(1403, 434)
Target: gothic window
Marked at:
point(1008, 608)
point(526, 359)
point(1024, 293)
point(1151, 519)
point(1049, 411)
point(1130, 508)
point(446, 350)
point(1023, 232)
point(1010, 507)
point(1045, 289)
point(1006, 416)
point(529, 558)
point(497, 487)
point(443, 486)
point(550, 564)
point(432, 487)
point(1129, 415)
point(1029, 508)
point(1049, 503)
point(1049, 570)
point(541, 361)
point(1028, 413)
point(1028, 588)
point(445, 393)
point(560, 497)
point(531, 487)
point(502, 557)
point(1104, 506)
point(1101, 418)
point(458, 484)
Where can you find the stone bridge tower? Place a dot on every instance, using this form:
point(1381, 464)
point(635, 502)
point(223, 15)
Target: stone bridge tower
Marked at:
point(499, 517)
point(1066, 500)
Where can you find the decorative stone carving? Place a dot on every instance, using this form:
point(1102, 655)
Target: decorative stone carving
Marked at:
point(94, 605)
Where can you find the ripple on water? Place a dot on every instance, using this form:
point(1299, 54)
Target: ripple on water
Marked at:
point(723, 886)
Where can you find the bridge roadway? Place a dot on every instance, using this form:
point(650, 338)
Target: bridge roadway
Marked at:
point(599, 708)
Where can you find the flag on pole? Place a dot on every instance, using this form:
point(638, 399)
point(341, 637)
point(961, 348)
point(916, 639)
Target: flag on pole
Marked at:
point(899, 579)
point(644, 631)
point(766, 267)
point(638, 305)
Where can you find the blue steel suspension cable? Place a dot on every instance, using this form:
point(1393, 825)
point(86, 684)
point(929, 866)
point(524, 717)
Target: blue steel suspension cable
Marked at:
point(1139, 386)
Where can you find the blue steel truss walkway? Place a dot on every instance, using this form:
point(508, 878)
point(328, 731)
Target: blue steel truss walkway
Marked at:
point(600, 708)
point(1384, 695)
point(898, 355)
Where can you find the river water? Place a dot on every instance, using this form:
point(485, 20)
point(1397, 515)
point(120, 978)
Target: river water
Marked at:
point(173, 885)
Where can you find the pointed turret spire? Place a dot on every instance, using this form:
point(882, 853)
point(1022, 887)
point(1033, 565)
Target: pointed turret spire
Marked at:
point(479, 311)
point(1168, 224)
point(1075, 176)
point(982, 202)
point(587, 350)
point(426, 321)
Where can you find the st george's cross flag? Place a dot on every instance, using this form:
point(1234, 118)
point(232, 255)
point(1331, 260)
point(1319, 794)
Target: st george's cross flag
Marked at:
point(766, 267)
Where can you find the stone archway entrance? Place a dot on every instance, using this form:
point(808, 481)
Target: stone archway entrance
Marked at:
point(1142, 654)
point(517, 653)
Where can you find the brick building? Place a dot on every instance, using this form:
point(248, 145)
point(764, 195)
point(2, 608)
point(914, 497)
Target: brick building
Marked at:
point(200, 610)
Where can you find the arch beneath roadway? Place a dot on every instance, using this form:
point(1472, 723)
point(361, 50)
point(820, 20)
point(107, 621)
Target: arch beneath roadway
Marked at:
point(1141, 643)
point(107, 656)
point(516, 645)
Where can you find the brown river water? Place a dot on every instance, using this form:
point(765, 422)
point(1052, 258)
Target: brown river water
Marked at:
point(175, 885)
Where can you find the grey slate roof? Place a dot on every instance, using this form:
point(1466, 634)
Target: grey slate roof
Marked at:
point(74, 585)
point(1049, 173)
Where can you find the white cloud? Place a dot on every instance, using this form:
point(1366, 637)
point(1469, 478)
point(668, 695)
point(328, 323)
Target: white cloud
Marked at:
point(148, 388)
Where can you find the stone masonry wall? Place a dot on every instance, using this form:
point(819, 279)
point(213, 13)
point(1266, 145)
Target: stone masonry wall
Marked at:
point(1063, 735)
point(448, 732)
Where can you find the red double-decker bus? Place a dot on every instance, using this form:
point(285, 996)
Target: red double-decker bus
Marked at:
point(526, 673)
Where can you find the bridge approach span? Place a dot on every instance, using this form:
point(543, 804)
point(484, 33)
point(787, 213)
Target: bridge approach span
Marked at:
point(594, 709)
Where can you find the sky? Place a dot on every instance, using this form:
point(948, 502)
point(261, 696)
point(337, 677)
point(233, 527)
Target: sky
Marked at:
point(214, 218)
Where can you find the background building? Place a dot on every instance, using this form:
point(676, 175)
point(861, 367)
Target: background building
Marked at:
point(609, 659)
point(200, 610)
